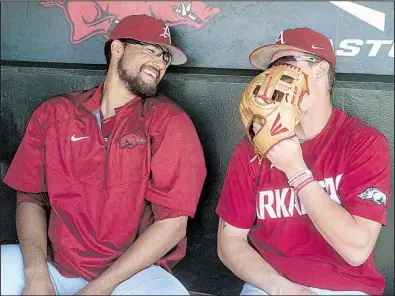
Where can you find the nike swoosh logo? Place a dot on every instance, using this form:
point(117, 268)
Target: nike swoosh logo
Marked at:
point(371, 16)
point(316, 47)
point(74, 139)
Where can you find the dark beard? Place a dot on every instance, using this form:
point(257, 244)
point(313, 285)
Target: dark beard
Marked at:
point(135, 84)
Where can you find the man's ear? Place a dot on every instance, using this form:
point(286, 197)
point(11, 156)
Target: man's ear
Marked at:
point(321, 69)
point(117, 49)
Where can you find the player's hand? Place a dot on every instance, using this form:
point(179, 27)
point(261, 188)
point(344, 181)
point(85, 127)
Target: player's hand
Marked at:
point(97, 287)
point(305, 291)
point(298, 290)
point(38, 285)
point(290, 288)
point(287, 157)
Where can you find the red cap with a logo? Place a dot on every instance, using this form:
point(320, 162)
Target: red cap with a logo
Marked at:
point(148, 29)
point(301, 39)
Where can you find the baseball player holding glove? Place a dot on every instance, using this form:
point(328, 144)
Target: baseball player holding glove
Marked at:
point(305, 195)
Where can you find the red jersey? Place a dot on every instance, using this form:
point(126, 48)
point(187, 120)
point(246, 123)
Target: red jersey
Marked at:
point(104, 192)
point(351, 161)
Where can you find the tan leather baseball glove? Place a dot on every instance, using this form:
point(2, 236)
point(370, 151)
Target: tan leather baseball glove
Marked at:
point(273, 100)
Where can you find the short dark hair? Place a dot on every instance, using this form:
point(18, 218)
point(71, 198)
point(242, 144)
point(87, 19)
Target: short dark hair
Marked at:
point(330, 74)
point(107, 52)
point(331, 78)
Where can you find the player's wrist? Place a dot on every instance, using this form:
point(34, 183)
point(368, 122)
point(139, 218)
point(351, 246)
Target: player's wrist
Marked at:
point(300, 180)
point(39, 272)
point(280, 286)
point(292, 172)
point(303, 184)
point(299, 177)
point(289, 288)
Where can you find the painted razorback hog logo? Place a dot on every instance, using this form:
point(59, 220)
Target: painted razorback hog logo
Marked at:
point(131, 140)
point(90, 18)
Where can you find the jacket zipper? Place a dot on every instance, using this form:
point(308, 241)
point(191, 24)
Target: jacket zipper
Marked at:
point(106, 160)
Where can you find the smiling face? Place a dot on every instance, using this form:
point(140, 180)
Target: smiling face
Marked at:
point(139, 72)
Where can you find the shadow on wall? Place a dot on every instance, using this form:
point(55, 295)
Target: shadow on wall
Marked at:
point(8, 133)
point(9, 136)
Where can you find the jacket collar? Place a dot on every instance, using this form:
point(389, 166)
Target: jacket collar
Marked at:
point(92, 102)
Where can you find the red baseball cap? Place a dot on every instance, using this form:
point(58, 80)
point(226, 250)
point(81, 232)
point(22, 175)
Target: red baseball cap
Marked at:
point(148, 29)
point(301, 39)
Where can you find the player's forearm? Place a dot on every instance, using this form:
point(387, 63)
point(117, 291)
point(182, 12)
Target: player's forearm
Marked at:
point(248, 265)
point(335, 224)
point(31, 223)
point(155, 242)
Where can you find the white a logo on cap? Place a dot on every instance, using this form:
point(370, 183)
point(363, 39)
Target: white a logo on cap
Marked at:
point(166, 32)
point(280, 38)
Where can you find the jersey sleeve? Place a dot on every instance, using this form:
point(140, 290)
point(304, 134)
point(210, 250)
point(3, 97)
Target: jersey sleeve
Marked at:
point(365, 185)
point(178, 169)
point(236, 205)
point(41, 199)
point(27, 170)
point(161, 213)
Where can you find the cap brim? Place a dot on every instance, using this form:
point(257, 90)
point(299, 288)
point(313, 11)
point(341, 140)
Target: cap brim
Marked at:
point(261, 57)
point(177, 55)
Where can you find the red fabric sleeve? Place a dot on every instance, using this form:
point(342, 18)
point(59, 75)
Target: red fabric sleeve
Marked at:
point(237, 202)
point(40, 199)
point(177, 167)
point(365, 185)
point(161, 213)
point(26, 172)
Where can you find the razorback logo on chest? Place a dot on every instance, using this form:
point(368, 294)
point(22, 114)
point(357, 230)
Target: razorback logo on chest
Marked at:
point(131, 140)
